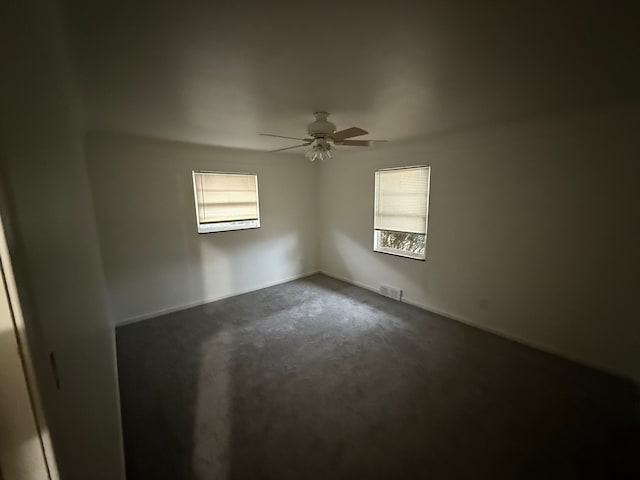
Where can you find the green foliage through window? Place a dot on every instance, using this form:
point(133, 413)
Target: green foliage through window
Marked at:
point(406, 242)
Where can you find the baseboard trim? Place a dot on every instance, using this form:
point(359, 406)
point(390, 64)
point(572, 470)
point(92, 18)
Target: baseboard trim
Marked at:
point(500, 333)
point(166, 311)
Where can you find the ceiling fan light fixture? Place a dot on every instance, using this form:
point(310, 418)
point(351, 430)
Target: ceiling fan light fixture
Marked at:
point(319, 151)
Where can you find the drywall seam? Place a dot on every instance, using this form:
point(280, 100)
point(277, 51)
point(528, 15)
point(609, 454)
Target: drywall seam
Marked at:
point(494, 331)
point(146, 316)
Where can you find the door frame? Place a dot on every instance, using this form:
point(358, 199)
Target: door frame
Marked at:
point(23, 378)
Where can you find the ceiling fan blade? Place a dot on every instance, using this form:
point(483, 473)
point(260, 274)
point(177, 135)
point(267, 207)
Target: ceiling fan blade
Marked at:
point(354, 143)
point(348, 133)
point(291, 138)
point(359, 143)
point(289, 148)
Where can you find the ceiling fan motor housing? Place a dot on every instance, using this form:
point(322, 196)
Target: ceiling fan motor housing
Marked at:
point(321, 127)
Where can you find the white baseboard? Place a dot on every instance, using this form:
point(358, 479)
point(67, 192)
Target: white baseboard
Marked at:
point(158, 313)
point(458, 318)
point(500, 333)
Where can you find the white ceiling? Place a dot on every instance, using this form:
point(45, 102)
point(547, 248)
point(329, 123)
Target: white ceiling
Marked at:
point(220, 72)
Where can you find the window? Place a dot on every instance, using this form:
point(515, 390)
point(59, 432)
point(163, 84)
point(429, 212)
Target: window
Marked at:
point(226, 201)
point(401, 207)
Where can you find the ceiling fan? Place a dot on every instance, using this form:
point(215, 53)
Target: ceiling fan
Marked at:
point(324, 137)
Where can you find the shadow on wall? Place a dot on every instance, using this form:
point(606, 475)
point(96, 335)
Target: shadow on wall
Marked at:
point(241, 258)
point(154, 258)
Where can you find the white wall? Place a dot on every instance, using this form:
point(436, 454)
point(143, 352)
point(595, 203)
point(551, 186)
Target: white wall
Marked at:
point(154, 258)
point(533, 232)
point(48, 215)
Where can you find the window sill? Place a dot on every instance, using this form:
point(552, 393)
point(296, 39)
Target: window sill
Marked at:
point(401, 253)
point(227, 226)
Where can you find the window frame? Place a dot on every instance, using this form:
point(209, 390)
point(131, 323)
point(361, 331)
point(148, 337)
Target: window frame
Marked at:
point(224, 226)
point(377, 232)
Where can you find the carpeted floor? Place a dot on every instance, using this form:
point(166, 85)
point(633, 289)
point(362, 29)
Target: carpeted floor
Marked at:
point(318, 379)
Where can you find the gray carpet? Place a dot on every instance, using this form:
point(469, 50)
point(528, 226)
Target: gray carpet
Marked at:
point(318, 379)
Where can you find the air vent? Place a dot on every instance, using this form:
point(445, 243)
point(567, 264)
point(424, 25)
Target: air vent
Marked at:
point(391, 292)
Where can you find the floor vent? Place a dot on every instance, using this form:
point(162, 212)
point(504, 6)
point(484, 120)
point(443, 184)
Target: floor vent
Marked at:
point(391, 292)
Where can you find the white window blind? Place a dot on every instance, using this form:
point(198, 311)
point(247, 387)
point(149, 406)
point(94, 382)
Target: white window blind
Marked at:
point(402, 196)
point(226, 201)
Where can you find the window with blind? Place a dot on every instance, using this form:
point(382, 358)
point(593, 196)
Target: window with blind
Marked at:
point(401, 210)
point(226, 201)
